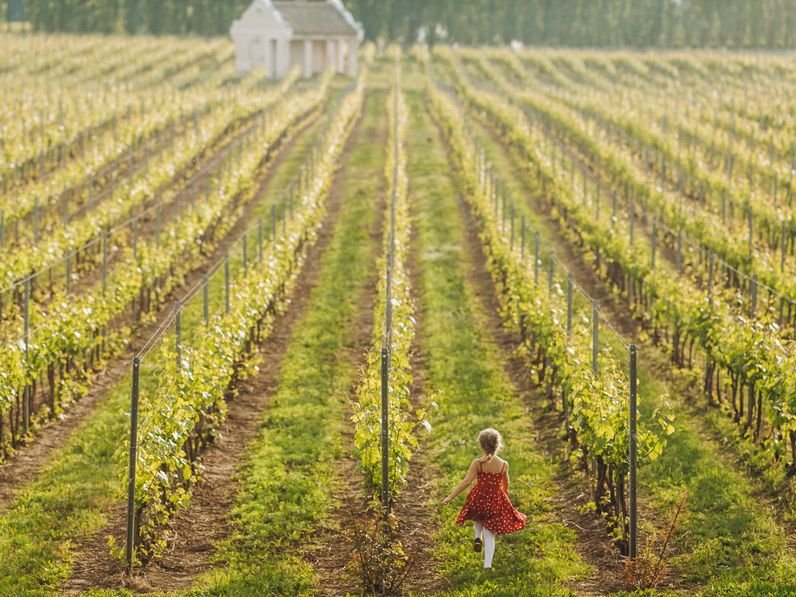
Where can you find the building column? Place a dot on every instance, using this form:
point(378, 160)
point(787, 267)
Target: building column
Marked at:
point(340, 67)
point(330, 56)
point(282, 58)
point(277, 59)
point(353, 46)
point(307, 58)
point(269, 70)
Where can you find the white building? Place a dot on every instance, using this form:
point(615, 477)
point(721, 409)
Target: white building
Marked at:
point(312, 34)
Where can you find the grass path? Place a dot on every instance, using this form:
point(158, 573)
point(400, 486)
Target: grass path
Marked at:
point(70, 498)
point(287, 484)
point(466, 377)
point(729, 542)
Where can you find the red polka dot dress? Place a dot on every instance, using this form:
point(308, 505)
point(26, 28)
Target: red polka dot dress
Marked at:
point(489, 504)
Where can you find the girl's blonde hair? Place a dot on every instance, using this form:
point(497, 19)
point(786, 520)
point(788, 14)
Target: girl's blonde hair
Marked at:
point(490, 441)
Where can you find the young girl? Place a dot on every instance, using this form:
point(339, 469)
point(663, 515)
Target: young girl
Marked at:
point(488, 504)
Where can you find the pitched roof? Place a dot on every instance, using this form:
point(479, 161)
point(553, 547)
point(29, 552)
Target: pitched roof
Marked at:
point(314, 18)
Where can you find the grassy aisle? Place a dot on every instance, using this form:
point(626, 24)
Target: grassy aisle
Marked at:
point(728, 541)
point(287, 482)
point(71, 497)
point(467, 380)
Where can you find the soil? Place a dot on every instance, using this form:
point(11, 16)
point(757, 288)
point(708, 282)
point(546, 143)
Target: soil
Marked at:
point(30, 459)
point(186, 185)
point(86, 277)
point(333, 548)
point(591, 531)
point(194, 532)
point(592, 541)
point(414, 506)
point(29, 455)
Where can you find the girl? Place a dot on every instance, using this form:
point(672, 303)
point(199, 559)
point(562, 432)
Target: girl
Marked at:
point(488, 504)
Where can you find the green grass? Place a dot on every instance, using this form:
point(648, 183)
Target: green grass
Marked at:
point(728, 539)
point(70, 499)
point(287, 480)
point(769, 479)
point(465, 377)
point(728, 542)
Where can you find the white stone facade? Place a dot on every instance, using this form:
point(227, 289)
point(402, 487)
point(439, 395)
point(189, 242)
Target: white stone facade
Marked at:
point(278, 35)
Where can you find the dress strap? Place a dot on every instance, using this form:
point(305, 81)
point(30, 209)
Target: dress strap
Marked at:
point(503, 469)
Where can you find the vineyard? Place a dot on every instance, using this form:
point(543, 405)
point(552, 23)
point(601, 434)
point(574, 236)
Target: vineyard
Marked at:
point(251, 328)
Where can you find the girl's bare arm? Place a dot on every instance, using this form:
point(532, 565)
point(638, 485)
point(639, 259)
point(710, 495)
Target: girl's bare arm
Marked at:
point(471, 474)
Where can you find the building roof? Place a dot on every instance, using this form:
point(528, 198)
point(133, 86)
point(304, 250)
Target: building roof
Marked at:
point(314, 18)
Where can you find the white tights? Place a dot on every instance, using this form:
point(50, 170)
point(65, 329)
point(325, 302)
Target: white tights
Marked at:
point(489, 542)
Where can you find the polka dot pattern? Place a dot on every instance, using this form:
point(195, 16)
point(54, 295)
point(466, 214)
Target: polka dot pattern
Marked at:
point(488, 504)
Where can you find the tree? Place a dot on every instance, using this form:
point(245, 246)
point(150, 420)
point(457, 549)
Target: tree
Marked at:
point(597, 23)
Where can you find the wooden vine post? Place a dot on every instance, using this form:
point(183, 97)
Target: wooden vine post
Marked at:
point(570, 288)
point(130, 542)
point(385, 432)
point(595, 338)
point(226, 284)
point(632, 479)
point(27, 398)
point(205, 300)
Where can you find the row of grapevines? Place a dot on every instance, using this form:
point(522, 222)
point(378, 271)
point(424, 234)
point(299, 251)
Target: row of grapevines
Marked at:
point(685, 172)
point(38, 126)
point(58, 56)
point(749, 355)
point(746, 168)
point(696, 170)
point(395, 334)
point(762, 119)
point(708, 190)
point(81, 260)
point(129, 197)
point(693, 125)
point(50, 123)
point(105, 158)
point(597, 404)
point(63, 149)
point(216, 56)
point(77, 183)
point(68, 338)
point(776, 300)
point(705, 230)
point(62, 133)
point(41, 63)
point(189, 402)
point(742, 283)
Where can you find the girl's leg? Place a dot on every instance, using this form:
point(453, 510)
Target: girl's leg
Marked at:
point(489, 548)
point(477, 528)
